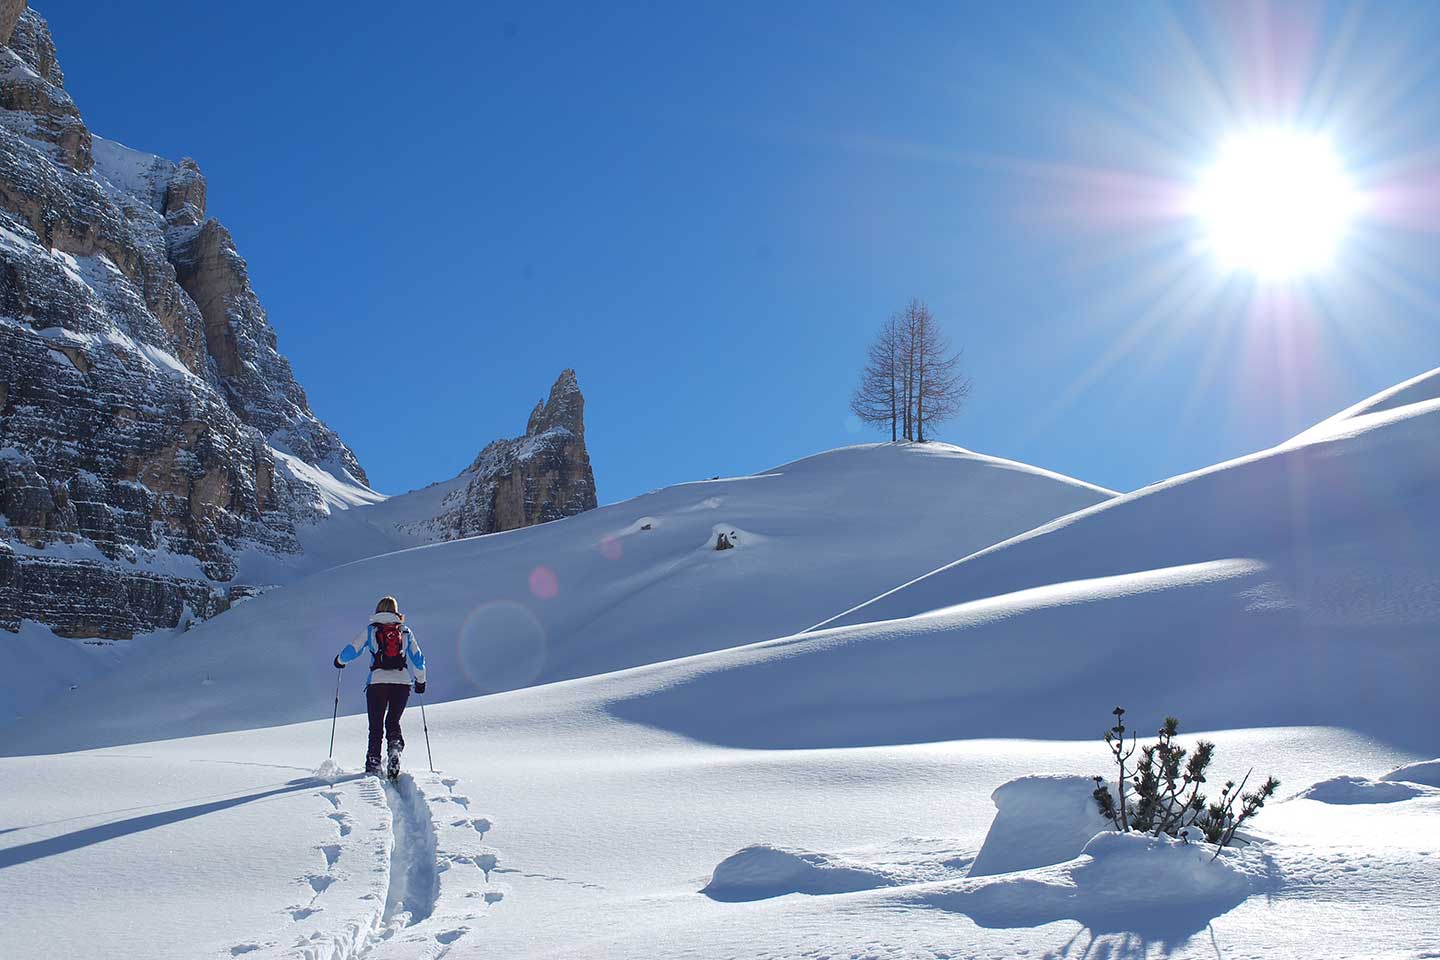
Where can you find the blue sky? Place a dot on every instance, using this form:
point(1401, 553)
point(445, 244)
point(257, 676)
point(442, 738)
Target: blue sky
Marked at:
point(708, 209)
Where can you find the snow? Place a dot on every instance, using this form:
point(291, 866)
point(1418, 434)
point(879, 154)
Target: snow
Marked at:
point(1039, 820)
point(58, 670)
point(1426, 772)
point(1418, 389)
point(335, 493)
point(131, 172)
point(709, 778)
point(165, 361)
point(1160, 888)
point(760, 871)
point(1361, 790)
point(599, 837)
point(581, 596)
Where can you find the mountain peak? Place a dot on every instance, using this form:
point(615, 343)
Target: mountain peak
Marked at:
point(564, 409)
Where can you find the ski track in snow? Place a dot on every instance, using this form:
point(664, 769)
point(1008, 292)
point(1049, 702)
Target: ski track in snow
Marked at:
point(420, 859)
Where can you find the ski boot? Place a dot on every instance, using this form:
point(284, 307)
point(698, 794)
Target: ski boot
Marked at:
point(372, 765)
point(392, 758)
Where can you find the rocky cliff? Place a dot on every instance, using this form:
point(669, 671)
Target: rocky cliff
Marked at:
point(149, 426)
point(541, 476)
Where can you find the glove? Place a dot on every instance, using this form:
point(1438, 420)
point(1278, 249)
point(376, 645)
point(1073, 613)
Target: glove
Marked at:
point(338, 664)
point(419, 686)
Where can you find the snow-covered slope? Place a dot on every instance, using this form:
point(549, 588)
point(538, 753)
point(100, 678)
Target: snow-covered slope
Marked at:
point(1415, 390)
point(1295, 586)
point(628, 584)
point(613, 815)
point(559, 832)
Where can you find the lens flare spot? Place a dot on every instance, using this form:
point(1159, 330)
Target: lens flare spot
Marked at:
point(502, 646)
point(544, 585)
point(611, 548)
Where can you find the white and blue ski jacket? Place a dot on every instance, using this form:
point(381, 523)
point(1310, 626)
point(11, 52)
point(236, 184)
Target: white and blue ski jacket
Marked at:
point(364, 642)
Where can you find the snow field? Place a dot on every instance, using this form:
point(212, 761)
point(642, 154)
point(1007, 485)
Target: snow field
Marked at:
point(834, 791)
point(610, 831)
point(582, 596)
point(185, 855)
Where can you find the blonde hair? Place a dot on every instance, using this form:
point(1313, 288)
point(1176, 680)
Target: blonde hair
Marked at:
point(388, 605)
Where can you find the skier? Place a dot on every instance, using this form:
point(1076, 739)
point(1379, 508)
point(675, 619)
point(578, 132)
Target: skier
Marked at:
point(393, 653)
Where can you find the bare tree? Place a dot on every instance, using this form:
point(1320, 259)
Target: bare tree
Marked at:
point(911, 377)
point(877, 399)
point(941, 388)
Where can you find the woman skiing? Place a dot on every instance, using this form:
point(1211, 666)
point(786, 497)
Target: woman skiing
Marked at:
point(394, 654)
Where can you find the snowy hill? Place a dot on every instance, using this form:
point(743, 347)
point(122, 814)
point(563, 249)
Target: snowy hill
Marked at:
point(1294, 586)
point(628, 584)
point(1281, 601)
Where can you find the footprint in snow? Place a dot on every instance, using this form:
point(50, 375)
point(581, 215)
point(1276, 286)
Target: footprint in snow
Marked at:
point(482, 825)
point(332, 853)
point(319, 883)
point(342, 820)
point(450, 936)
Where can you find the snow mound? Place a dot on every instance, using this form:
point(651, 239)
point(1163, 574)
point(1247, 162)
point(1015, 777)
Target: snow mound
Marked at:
point(1157, 887)
point(760, 872)
point(329, 771)
point(1426, 772)
point(1360, 790)
point(1039, 820)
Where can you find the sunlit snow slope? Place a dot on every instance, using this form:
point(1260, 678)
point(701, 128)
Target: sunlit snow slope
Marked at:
point(628, 584)
point(1295, 586)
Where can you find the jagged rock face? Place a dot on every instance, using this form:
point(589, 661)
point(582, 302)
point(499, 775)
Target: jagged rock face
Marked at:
point(32, 86)
point(142, 394)
point(541, 476)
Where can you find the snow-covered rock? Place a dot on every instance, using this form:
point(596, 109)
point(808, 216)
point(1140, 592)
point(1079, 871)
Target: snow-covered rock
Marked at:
point(1156, 886)
point(1426, 772)
point(1361, 790)
point(760, 872)
point(1039, 820)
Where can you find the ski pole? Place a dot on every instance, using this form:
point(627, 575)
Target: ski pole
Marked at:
point(335, 713)
point(426, 727)
point(423, 722)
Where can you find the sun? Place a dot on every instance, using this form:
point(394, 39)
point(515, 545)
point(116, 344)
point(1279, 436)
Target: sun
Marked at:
point(1276, 204)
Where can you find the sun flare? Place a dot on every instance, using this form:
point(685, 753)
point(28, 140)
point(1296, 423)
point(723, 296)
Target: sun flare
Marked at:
point(1276, 204)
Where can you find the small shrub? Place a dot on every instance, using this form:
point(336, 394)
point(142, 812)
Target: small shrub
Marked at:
point(1160, 793)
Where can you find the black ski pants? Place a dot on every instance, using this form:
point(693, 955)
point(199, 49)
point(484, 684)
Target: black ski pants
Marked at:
point(385, 702)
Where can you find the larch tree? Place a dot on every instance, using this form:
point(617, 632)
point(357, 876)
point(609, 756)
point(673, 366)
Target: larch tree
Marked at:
point(877, 400)
point(911, 379)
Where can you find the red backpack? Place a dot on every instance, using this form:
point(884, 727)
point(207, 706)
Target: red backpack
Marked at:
point(389, 647)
